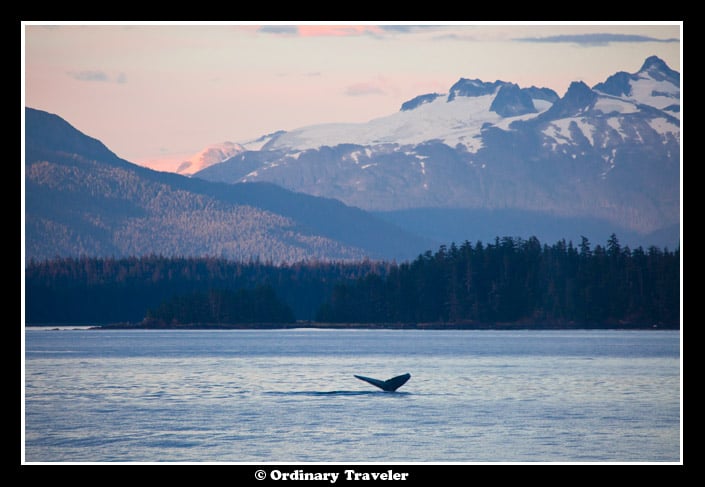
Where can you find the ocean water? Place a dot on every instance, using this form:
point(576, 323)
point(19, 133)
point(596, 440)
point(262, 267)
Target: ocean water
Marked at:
point(290, 396)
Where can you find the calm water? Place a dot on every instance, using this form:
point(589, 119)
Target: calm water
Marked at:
point(290, 396)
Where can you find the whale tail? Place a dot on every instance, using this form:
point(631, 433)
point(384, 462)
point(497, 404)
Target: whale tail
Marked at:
point(387, 385)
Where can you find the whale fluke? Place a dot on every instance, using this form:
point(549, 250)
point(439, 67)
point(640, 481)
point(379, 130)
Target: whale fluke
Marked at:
point(387, 385)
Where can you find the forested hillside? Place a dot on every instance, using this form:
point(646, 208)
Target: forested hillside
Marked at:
point(82, 199)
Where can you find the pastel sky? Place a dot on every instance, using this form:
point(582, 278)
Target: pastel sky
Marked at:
point(155, 94)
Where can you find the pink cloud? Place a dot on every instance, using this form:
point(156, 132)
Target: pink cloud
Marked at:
point(337, 30)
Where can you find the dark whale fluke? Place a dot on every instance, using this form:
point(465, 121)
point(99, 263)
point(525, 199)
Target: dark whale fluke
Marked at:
point(387, 385)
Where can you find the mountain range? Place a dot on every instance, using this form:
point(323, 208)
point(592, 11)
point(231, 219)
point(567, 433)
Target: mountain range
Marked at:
point(492, 158)
point(485, 159)
point(82, 199)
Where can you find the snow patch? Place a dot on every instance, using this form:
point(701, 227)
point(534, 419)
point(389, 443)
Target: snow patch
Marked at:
point(559, 131)
point(616, 124)
point(587, 129)
point(659, 94)
point(664, 127)
point(609, 104)
point(540, 105)
point(609, 159)
point(256, 144)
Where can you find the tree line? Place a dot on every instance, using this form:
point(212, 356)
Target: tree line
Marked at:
point(519, 281)
point(96, 290)
point(259, 305)
point(510, 280)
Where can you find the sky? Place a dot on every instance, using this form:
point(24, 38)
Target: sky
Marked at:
point(157, 94)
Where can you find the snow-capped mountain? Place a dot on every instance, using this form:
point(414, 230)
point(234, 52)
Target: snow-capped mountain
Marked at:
point(455, 119)
point(212, 154)
point(610, 152)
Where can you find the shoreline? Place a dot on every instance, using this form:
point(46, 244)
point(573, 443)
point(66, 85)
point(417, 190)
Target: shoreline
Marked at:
point(362, 326)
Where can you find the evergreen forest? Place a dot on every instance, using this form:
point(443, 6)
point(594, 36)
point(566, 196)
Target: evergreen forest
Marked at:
point(508, 282)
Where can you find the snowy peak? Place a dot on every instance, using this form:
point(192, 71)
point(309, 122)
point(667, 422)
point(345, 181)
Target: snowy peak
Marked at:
point(654, 69)
point(658, 70)
point(512, 101)
point(418, 101)
point(619, 84)
point(516, 101)
point(636, 110)
point(577, 100)
point(655, 85)
point(263, 142)
point(213, 154)
point(473, 87)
